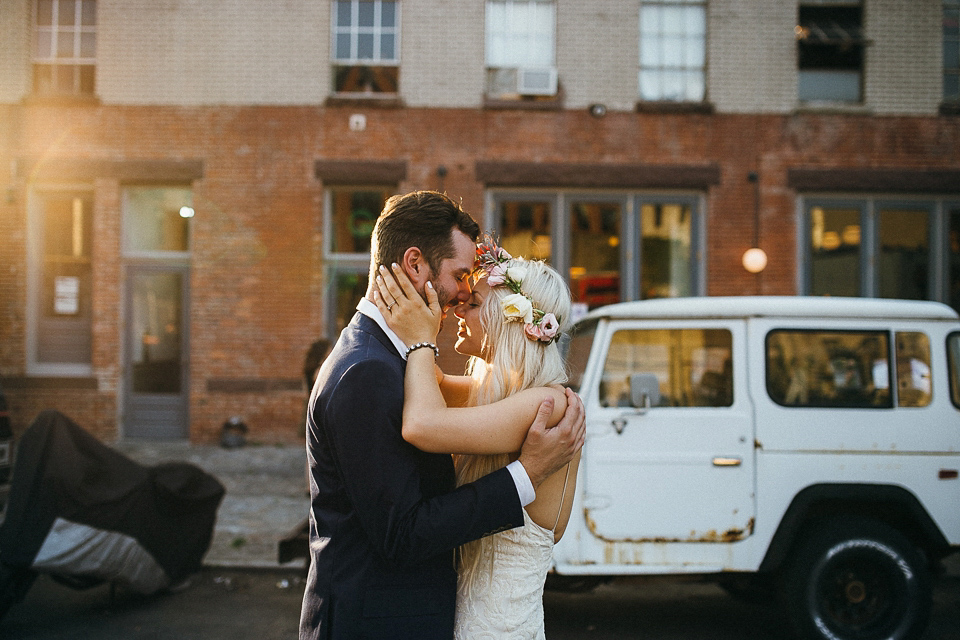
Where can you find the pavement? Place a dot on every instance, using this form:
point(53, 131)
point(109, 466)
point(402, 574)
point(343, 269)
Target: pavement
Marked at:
point(266, 496)
point(266, 500)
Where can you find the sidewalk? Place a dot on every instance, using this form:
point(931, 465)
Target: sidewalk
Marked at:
point(266, 495)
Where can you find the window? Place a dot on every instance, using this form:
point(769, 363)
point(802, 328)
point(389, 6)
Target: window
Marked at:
point(351, 213)
point(835, 251)
point(157, 220)
point(612, 246)
point(366, 46)
point(693, 366)
point(673, 37)
point(907, 249)
point(595, 251)
point(63, 316)
point(65, 47)
point(829, 368)
point(666, 228)
point(951, 51)
point(914, 387)
point(953, 360)
point(520, 40)
point(525, 226)
point(830, 53)
point(953, 257)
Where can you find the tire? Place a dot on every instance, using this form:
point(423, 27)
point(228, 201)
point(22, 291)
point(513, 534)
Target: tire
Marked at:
point(858, 579)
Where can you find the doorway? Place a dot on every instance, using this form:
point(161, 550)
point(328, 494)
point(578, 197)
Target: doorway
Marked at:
point(156, 363)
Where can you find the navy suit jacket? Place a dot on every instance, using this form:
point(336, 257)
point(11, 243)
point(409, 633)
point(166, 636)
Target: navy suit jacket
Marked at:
point(384, 516)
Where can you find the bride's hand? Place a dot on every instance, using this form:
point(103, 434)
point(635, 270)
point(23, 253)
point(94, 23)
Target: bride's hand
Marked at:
point(404, 310)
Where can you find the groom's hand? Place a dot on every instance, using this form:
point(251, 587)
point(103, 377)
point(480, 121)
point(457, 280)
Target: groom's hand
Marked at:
point(547, 449)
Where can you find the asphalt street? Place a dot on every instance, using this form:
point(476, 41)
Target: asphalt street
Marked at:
point(245, 604)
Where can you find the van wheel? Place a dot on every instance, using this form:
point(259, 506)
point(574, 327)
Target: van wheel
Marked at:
point(858, 579)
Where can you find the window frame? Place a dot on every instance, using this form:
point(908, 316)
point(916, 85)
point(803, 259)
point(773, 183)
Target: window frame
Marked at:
point(664, 68)
point(953, 367)
point(631, 202)
point(337, 263)
point(870, 207)
point(954, 71)
point(858, 42)
point(891, 374)
point(35, 275)
point(354, 31)
point(76, 61)
point(495, 72)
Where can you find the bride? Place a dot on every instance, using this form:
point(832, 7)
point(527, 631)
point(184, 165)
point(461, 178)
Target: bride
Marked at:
point(509, 327)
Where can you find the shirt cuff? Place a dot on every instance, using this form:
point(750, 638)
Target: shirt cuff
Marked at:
point(524, 487)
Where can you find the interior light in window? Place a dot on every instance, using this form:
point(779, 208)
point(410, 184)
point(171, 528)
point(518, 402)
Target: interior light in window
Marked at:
point(186, 212)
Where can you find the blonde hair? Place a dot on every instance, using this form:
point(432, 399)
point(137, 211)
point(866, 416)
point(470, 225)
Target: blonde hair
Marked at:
point(513, 362)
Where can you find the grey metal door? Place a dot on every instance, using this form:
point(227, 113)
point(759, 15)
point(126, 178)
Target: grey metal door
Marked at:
point(155, 398)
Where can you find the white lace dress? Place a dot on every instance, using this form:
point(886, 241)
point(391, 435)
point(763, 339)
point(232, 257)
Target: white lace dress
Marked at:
point(507, 603)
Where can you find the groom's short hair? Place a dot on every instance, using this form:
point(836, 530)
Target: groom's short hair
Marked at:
point(422, 219)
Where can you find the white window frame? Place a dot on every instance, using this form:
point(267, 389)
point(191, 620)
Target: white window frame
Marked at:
point(354, 31)
point(55, 31)
point(514, 54)
point(652, 60)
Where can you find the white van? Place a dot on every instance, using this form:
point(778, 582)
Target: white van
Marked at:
point(807, 445)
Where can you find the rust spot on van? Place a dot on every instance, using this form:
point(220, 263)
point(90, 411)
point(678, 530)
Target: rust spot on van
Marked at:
point(757, 444)
point(712, 535)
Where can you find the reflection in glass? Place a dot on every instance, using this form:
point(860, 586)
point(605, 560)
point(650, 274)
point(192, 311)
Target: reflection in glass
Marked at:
point(156, 325)
point(834, 252)
point(65, 318)
point(914, 385)
point(904, 254)
point(152, 220)
point(828, 369)
point(351, 286)
point(665, 250)
point(595, 252)
point(694, 366)
point(525, 229)
point(355, 211)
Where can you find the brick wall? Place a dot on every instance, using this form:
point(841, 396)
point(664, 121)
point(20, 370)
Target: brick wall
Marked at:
point(257, 296)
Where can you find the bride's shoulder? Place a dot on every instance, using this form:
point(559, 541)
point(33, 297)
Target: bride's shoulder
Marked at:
point(536, 395)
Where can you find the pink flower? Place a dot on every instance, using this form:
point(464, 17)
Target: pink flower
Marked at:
point(496, 275)
point(549, 326)
point(533, 331)
point(503, 255)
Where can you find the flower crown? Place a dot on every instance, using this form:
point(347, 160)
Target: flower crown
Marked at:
point(516, 307)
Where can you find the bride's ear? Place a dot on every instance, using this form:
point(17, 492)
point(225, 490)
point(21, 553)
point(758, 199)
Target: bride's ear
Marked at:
point(415, 266)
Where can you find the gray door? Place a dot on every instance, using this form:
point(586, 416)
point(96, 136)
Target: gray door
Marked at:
point(155, 399)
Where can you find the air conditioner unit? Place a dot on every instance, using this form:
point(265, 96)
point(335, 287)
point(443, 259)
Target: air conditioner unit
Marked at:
point(537, 82)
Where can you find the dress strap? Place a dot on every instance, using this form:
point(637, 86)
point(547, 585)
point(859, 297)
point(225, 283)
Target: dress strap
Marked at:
point(566, 478)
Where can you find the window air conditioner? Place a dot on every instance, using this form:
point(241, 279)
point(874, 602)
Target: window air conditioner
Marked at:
point(537, 82)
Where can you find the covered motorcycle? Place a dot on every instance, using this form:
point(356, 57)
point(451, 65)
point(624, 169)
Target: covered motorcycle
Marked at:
point(86, 514)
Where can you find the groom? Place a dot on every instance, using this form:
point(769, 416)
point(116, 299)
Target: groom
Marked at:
point(385, 516)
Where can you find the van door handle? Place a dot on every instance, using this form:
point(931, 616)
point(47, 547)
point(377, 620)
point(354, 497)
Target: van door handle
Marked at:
point(726, 462)
point(619, 425)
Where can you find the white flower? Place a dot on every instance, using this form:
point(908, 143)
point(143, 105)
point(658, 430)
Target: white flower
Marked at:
point(517, 307)
point(516, 274)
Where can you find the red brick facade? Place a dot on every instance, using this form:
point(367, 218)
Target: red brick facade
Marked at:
point(256, 279)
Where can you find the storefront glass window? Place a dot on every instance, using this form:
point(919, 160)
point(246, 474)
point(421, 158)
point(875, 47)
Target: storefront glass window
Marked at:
point(595, 252)
point(904, 254)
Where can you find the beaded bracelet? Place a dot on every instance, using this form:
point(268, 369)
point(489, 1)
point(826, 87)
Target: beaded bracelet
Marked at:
point(420, 345)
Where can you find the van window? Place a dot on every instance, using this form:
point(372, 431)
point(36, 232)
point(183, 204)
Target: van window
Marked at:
point(953, 360)
point(693, 366)
point(828, 368)
point(913, 369)
point(576, 351)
